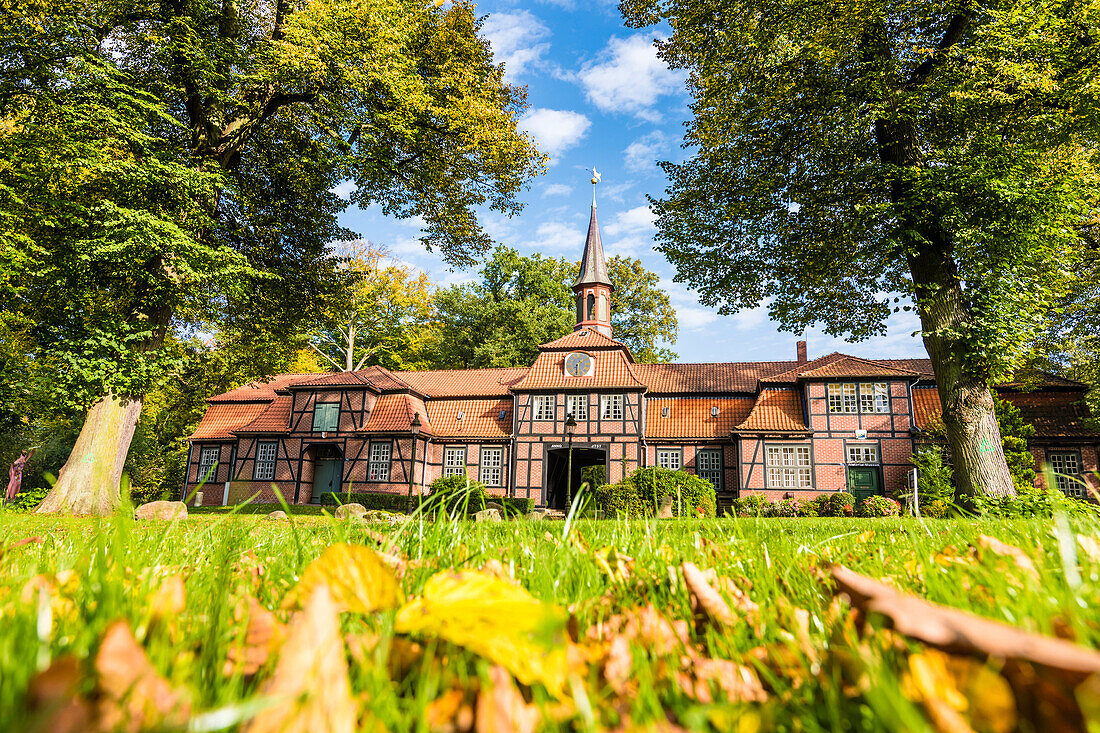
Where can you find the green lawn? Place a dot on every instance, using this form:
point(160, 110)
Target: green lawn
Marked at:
point(59, 597)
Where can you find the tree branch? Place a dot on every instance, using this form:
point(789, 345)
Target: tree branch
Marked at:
point(960, 22)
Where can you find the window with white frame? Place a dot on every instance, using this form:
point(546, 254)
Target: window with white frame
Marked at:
point(543, 407)
point(867, 454)
point(874, 397)
point(789, 467)
point(379, 462)
point(577, 406)
point(848, 398)
point(1067, 467)
point(611, 407)
point(265, 461)
point(208, 463)
point(492, 466)
point(708, 465)
point(842, 398)
point(454, 460)
point(326, 417)
point(670, 458)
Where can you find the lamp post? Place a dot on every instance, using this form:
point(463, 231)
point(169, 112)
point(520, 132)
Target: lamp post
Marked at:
point(570, 428)
point(414, 428)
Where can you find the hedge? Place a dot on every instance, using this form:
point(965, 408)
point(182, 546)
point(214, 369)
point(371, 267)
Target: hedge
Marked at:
point(370, 500)
point(640, 494)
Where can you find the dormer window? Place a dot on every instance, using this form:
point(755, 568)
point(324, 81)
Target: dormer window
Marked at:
point(326, 417)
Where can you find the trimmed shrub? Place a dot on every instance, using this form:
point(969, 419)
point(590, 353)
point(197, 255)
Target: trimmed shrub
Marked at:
point(459, 492)
point(878, 506)
point(514, 505)
point(265, 508)
point(809, 509)
point(641, 493)
point(936, 510)
point(370, 499)
point(785, 508)
point(594, 476)
point(837, 504)
point(753, 505)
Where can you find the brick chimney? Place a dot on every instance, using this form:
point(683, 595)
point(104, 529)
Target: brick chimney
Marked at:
point(801, 346)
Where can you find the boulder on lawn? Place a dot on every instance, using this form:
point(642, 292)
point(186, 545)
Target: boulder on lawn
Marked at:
point(276, 515)
point(161, 510)
point(537, 514)
point(487, 515)
point(498, 507)
point(665, 510)
point(350, 510)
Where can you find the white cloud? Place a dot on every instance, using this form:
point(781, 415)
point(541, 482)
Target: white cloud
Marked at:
point(557, 189)
point(555, 130)
point(558, 237)
point(641, 154)
point(693, 318)
point(515, 39)
point(632, 221)
point(629, 77)
point(344, 190)
point(632, 246)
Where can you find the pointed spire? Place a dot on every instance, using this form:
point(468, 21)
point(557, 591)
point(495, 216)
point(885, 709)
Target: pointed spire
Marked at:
point(593, 263)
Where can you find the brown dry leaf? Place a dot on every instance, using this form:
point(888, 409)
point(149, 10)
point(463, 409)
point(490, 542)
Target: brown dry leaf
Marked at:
point(53, 698)
point(169, 599)
point(928, 682)
point(21, 543)
point(1018, 556)
point(311, 676)
point(449, 713)
point(736, 682)
point(501, 709)
point(133, 695)
point(710, 606)
point(616, 669)
point(494, 567)
point(646, 626)
point(357, 579)
point(263, 635)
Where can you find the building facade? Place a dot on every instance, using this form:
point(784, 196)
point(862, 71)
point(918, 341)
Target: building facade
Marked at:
point(781, 428)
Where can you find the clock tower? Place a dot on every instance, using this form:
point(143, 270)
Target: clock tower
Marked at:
point(592, 290)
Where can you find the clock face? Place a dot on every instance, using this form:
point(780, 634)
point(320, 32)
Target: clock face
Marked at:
point(578, 364)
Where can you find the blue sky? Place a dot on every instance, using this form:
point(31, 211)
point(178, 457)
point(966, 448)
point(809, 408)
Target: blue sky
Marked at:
point(598, 95)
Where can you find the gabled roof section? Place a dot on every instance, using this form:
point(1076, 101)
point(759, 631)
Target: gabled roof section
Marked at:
point(690, 417)
point(274, 419)
point(708, 378)
point(377, 378)
point(261, 391)
point(840, 365)
point(611, 368)
point(775, 411)
point(593, 264)
point(585, 339)
point(333, 379)
point(393, 413)
point(222, 418)
point(481, 418)
point(445, 383)
point(1051, 415)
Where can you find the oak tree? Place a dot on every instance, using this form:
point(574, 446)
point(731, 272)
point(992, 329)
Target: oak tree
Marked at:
point(844, 155)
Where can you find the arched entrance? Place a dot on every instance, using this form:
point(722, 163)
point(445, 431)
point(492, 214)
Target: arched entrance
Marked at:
point(327, 463)
point(556, 481)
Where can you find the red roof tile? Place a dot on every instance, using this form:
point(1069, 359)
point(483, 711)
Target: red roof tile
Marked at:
point(775, 411)
point(690, 417)
point(611, 369)
point(222, 418)
point(707, 378)
point(261, 391)
point(274, 419)
point(1053, 414)
point(926, 407)
point(585, 338)
point(393, 413)
point(840, 365)
point(480, 418)
point(462, 382)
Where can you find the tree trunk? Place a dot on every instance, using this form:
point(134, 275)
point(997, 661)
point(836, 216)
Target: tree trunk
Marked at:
point(969, 419)
point(89, 480)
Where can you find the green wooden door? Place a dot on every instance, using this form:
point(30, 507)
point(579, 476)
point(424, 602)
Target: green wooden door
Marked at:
point(326, 477)
point(863, 481)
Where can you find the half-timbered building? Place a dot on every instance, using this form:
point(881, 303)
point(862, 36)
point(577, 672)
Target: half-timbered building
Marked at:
point(782, 428)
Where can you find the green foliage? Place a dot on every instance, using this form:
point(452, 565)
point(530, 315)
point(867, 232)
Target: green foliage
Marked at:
point(459, 492)
point(523, 301)
point(878, 506)
point(1029, 501)
point(784, 508)
point(369, 499)
point(835, 504)
point(1014, 436)
point(594, 476)
point(936, 509)
point(640, 494)
point(753, 505)
point(933, 476)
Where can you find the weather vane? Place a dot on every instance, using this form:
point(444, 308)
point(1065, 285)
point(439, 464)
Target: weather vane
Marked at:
point(595, 180)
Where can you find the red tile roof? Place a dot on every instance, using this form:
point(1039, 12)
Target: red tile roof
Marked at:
point(707, 378)
point(274, 419)
point(585, 338)
point(222, 418)
point(775, 411)
point(690, 417)
point(393, 413)
point(611, 369)
point(462, 382)
point(379, 378)
point(853, 366)
point(480, 418)
point(1053, 414)
point(261, 391)
point(926, 407)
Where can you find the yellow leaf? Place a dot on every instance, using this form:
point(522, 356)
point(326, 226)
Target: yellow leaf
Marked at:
point(866, 536)
point(495, 619)
point(357, 577)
